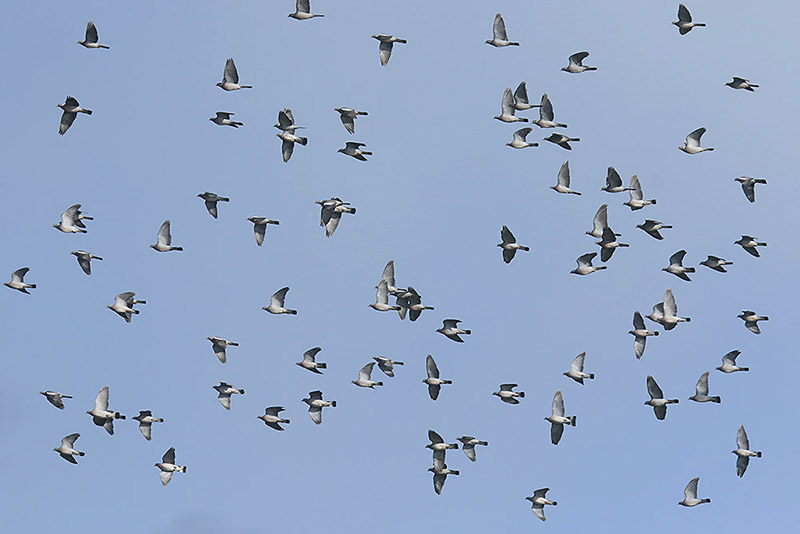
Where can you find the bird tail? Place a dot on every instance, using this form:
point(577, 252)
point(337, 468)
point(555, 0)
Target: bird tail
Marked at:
point(135, 312)
point(118, 415)
point(744, 368)
point(765, 318)
point(689, 269)
point(513, 44)
point(87, 217)
point(236, 124)
point(484, 443)
point(81, 230)
point(467, 332)
point(554, 503)
point(245, 87)
point(66, 396)
point(601, 267)
point(591, 376)
point(526, 249)
point(761, 244)
point(366, 153)
point(333, 404)
point(273, 222)
point(711, 149)
point(378, 383)
point(653, 201)
point(322, 365)
point(233, 344)
point(521, 395)
point(160, 420)
point(703, 24)
point(665, 226)
point(754, 85)
point(454, 472)
point(87, 111)
point(285, 421)
point(178, 248)
point(624, 245)
point(81, 454)
point(365, 113)
point(715, 399)
point(705, 500)
point(561, 125)
point(573, 419)
point(182, 469)
point(591, 68)
point(304, 141)
point(292, 312)
point(140, 302)
point(33, 286)
point(758, 454)
point(399, 363)
point(688, 319)
point(402, 41)
point(447, 381)
point(672, 401)
point(224, 199)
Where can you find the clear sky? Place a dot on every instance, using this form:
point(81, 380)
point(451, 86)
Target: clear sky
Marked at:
point(433, 197)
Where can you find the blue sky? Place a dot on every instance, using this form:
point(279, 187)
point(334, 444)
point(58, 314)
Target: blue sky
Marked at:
point(433, 197)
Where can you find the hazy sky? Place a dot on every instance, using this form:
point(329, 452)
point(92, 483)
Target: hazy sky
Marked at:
point(433, 197)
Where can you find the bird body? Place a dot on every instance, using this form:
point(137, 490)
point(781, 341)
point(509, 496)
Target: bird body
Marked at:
point(499, 36)
point(90, 40)
point(303, 11)
point(224, 392)
point(539, 501)
point(309, 361)
point(71, 221)
point(608, 244)
point(701, 388)
point(386, 365)
point(260, 227)
point(364, 379)
point(692, 143)
point(510, 245)
point(272, 419)
point(749, 186)
point(749, 244)
point(651, 228)
point(741, 83)
point(729, 363)
point(676, 266)
point(433, 381)
point(164, 239)
point(276, 303)
point(230, 78)
point(54, 398)
point(690, 494)
point(558, 419)
point(562, 185)
point(67, 448)
point(657, 400)
point(123, 305)
point(507, 108)
point(743, 452)
point(17, 281)
point(386, 45)
point(316, 404)
point(507, 395)
point(576, 65)
point(354, 151)
point(348, 117)
point(168, 466)
point(613, 183)
point(71, 109)
point(211, 200)
point(84, 260)
point(468, 444)
point(223, 118)
point(637, 201)
point(585, 265)
point(751, 320)
point(547, 117)
point(146, 421)
point(684, 22)
point(521, 102)
point(576, 369)
point(451, 330)
point(716, 263)
point(101, 415)
point(218, 345)
point(519, 140)
point(561, 140)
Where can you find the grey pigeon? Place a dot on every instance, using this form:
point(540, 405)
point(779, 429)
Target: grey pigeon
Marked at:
point(388, 275)
point(562, 185)
point(412, 302)
point(509, 244)
point(716, 263)
point(637, 201)
point(751, 320)
point(652, 228)
point(17, 281)
point(557, 419)
point(576, 369)
point(519, 140)
point(272, 419)
point(386, 365)
point(146, 421)
point(507, 108)
point(211, 200)
point(224, 392)
point(276, 303)
point(538, 502)
point(230, 78)
point(451, 330)
point(608, 244)
point(547, 118)
point(499, 36)
point(71, 109)
point(684, 22)
point(72, 220)
point(690, 494)
point(348, 117)
point(600, 222)
point(749, 244)
point(316, 404)
point(67, 448)
point(468, 444)
point(691, 144)
point(613, 182)
point(101, 415)
point(640, 334)
point(223, 118)
point(507, 394)
point(440, 472)
point(303, 11)
point(437, 443)
point(676, 266)
point(288, 141)
point(331, 213)
point(576, 65)
point(386, 45)
point(666, 312)
point(585, 264)
point(743, 452)
point(382, 299)
point(364, 379)
point(354, 151)
point(521, 102)
point(164, 239)
point(218, 345)
point(260, 227)
point(90, 39)
point(286, 121)
point(741, 83)
point(749, 186)
point(309, 361)
point(168, 466)
point(561, 140)
point(729, 363)
point(84, 259)
point(123, 305)
point(54, 398)
point(701, 388)
point(657, 400)
point(433, 380)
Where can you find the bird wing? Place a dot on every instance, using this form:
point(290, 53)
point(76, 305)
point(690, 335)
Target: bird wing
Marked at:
point(613, 178)
point(225, 400)
point(683, 14)
point(19, 274)
point(285, 118)
point(540, 493)
point(660, 411)
point(109, 426)
point(365, 373)
point(211, 206)
point(558, 404)
point(638, 322)
point(348, 122)
point(636, 188)
point(690, 492)
point(101, 401)
point(677, 258)
point(600, 219)
point(538, 509)
point(333, 223)
point(219, 350)
point(741, 464)
point(507, 104)
point(315, 412)
point(310, 354)
point(521, 93)
point(577, 58)
point(702, 385)
point(433, 391)
point(556, 431)
point(670, 308)
point(385, 49)
point(435, 437)
point(123, 299)
point(749, 188)
point(70, 215)
point(388, 273)
point(315, 395)
point(693, 139)
point(85, 264)
point(438, 483)
point(287, 147)
point(230, 75)
point(608, 237)
point(71, 102)
point(507, 236)
point(577, 363)
point(67, 118)
point(166, 476)
point(382, 295)
point(522, 134)
point(499, 28)
point(260, 230)
point(741, 440)
point(450, 323)
point(169, 456)
point(639, 343)
point(145, 429)
point(653, 389)
point(69, 440)
point(469, 450)
point(430, 366)
point(507, 387)
point(586, 259)
point(164, 236)
point(508, 255)
point(279, 297)
point(752, 326)
point(274, 410)
point(563, 174)
point(91, 32)
point(546, 111)
point(303, 6)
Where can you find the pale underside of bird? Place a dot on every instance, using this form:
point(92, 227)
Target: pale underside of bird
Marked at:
point(386, 365)
point(749, 186)
point(657, 400)
point(276, 303)
point(508, 395)
point(499, 35)
point(54, 398)
point(729, 363)
point(468, 444)
point(309, 361)
point(640, 334)
point(557, 419)
point(90, 39)
point(684, 22)
point(636, 201)
point(585, 264)
point(353, 150)
point(510, 245)
point(440, 471)
point(146, 421)
point(547, 117)
point(576, 369)
point(67, 448)
point(665, 313)
point(451, 330)
point(651, 228)
point(260, 227)
point(316, 404)
point(743, 452)
point(385, 46)
point(123, 305)
point(676, 266)
point(521, 102)
point(613, 183)
point(224, 392)
point(433, 381)
point(18, 281)
point(382, 298)
point(749, 244)
point(219, 346)
point(691, 144)
point(519, 140)
point(716, 263)
point(331, 211)
point(600, 222)
point(230, 78)
point(741, 83)
point(72, 220)
point(507, 108)
point(364, 379)
point(539, 501)
point(690, 494)
point(223, 118)
point(71, 109)
point(562, 185)
point(576, 65)
point(168, 466)
point(272, 418)
point(164, 239)
point(437, 443)
point(608, 244)
point(348, 117)
point(303, 11)
point(211, 200)
point(288, 140)
point(101, 415)
point(701, 391)
point(561, 140)
point(751, 320)
point(84, 260)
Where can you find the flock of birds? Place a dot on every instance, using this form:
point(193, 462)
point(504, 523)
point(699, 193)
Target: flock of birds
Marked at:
point(407, 300)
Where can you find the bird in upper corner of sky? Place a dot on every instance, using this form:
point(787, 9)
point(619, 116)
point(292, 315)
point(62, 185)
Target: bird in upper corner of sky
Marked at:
point(576, 369)
point(468, 444)
point(652, 228)
point(348, 117)
point(509, 244)
point(561, 140)
point(676, 266)
point(637, 201)
point(71, 109)
point(225, 391)
point(272, 419)
point(223, 118)
point(364, 379)
point(507, 109)
point(557, 419)
point(386, 45)
point(230, 78)
point(507, 395)
point(562, 186)
point(331, 213)
point(218, 345)
point(382, 299)
point(260, 227)
point(164, 239)
point(657, 400)
point(72, 220)
point(316, 404)
point(701, 388)
point(84, 259)
point(288, 141)
point(749, 186)
point(211, 200)
point(741, 83)
point(90, 40)
point(54, 398)
point(276, 303)
point(17, 281)
point(499, 35)
point(386, 365)
point(749, 243)
point(437, 443)
point(608, 244)
point(640, 334)
point(123, 305)
point(451, 330)
point(691, 145)
point(412, 301)
point(521, 102)
point(743, 452)
point(585, 264)
point(684, 22)
point(440, 472)
point(751, 320)
point(713, 262)
point(146, 421)
point(67, 451)
point(519, 139)
point(167, 466)
point(433, 380)
point(729, 363)
point(101, 415)
point(576, 65)
point(690, 494)
point(546, 117)
point(309, 361)
point(354, 150)
point(303, 11)
point(538, 501)
point(613, 183)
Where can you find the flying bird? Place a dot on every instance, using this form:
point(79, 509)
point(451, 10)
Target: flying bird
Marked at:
point(585, 264)
point(101, 415)
point(331, 213)
point(547, 117)
point(451, 330)
point(412, 301)
point(286, 121)
point(272, 419)
point(676, 266)
point(303, 11)
point(749, 244)
point(437, 443)
point(576, 369)
point(223, 118)
point(90, 40)
point(348, 117)
point(364, 379)
point(600, 222)
point(557, 419)
point(507, 108)
point(386, 365)
point(640, 334)
point(17, 281)
point(608, 244)
point(684, 22)
point(521, 102)
point(669, 312)
point(276, 302)
point(499, 36)
point(741, 83)
point(67, 448)
point(72, 220)
point(729, 363)
point(713, 262)
point(651, 228)
point(751, 320)
point(433, 380)
point(54, 398)
point(657, 400)
point(382, 298)
point(613, 183)
point(637, 201)
point(468, 444)
point(316, 404)
point(576, 65)
point(71, 109)
point(440, 472)
point(123, 305)
point(354, 151)
point(386, 45)
point(168, 466)
point(146, 421)
point(164, 239)
point(561, 140)
point(225, 391)
point(538, 502)
point(690, 494)
point(218, 345)
point(309, 361)
point(509, 244)
point(260, 227)
point(288, 140)
point(743, 452)
point(519, 140)
point(84, 259)
point(210, 200)
point(230, 78)
point(749, 186)
point(692, 143)
point(701, 389)
point(562, 186)
point(507, 395)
